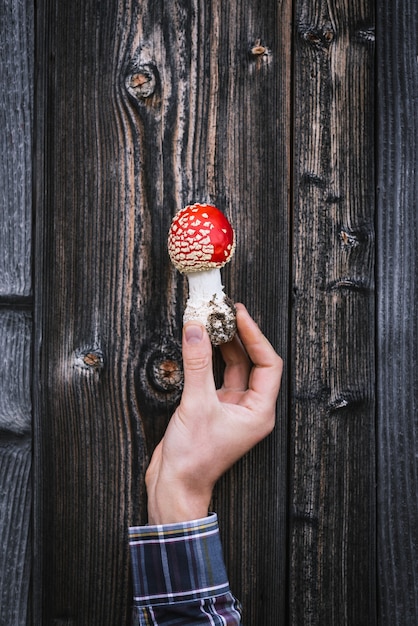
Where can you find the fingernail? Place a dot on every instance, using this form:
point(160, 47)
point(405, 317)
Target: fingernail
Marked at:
point(193, 333)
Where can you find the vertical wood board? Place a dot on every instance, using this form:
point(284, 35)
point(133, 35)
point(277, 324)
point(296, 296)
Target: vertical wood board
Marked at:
point(332, 507)
point(16, 114)
point(15, 536)
point(89, 446)
point(121, 159)
point(16, 104)
point(397, 279)
point(15, 377)
point(251, 177)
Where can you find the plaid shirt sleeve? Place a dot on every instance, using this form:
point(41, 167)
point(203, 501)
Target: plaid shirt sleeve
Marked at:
point(179, 575)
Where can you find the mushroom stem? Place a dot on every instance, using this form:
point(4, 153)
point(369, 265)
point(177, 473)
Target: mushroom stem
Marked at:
point(205, 284)
point(208, 304)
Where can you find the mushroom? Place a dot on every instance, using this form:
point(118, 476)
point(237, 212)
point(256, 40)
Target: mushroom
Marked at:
point(200, 242)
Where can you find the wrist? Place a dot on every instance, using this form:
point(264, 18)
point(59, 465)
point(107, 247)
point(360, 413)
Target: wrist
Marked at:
point(170, 502)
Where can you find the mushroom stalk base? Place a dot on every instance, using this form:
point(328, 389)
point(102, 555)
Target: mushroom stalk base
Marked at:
point(209, 305)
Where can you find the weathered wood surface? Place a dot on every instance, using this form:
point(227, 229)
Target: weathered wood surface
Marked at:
point(15, 535)
point(397, 329)
point(15, 465)
point(89, 316)
point(252, 172)
point(332, 512)
point(210, 122)
point(16, 96)
point(16, 112)
point(116, 157)
point(15, 375)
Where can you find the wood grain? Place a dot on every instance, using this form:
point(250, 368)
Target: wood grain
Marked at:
point(15, 376)
point(15, 536)
point(120, 161)
point(228, 109)
point(332, 508)
point(16, 123)
point(251, 178)
point(16, 113)
point(397, 273)
point(142, 107)
point(90, 448)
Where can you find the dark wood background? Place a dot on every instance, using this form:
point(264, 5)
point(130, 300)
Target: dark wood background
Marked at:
point(115, 115)
point(16, 308)
point(396, 312)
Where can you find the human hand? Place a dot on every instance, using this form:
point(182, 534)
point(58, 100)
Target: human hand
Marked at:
point(211, 429)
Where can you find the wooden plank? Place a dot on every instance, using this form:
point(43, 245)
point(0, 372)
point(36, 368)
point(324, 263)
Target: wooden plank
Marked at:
point(332, 508)
point(15, 464)
point(15, 535)
point(15, 351)
point(89, 451)
point(121, 159)
point(16, 105)
point(397, 273)
point(16, 111)
point(252, 177)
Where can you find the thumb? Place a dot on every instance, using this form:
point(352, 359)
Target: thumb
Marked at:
point(197, 364)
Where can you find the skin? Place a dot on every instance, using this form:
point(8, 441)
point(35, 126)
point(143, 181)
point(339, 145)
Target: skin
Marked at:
point(211, 429)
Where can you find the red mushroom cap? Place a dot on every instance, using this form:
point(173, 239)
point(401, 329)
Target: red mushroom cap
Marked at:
point(200, 238)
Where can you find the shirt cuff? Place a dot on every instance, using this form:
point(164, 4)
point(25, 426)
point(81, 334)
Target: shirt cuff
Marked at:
point(177, 562)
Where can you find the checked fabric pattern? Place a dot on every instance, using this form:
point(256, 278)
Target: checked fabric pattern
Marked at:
point(179, 575)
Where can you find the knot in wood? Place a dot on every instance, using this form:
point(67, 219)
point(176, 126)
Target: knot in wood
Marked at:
point(258, 50)
point(137, 80)
point(141, 81)
point(164, 370)
point(317, 36)
point(90, 359)
point(348, 240)
point(366, 34)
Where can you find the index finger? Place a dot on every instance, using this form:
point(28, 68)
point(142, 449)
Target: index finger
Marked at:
point(266, 374)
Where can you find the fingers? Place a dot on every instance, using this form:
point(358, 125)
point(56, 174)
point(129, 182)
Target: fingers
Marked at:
point(199, 383)
point(237, 365)
point(252, 366)
point(266, 374)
